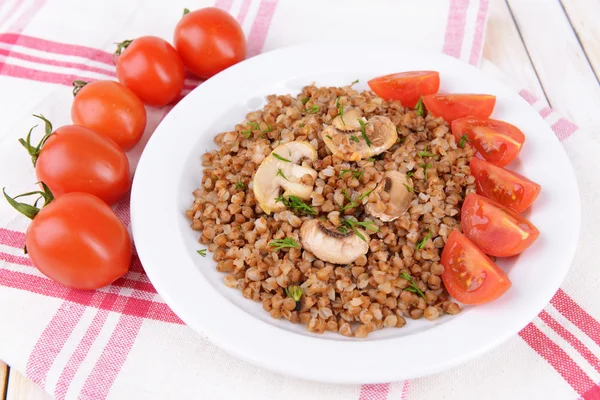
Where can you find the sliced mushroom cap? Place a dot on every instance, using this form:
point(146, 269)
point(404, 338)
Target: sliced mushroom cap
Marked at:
point(394, 183)
point(330, 245)
point(345, 140)
point(280, 170)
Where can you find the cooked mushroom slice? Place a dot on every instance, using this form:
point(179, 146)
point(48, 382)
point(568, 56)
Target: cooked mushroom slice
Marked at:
point(329, 244)
point(346, 140)
point(397, 197)
point(280, 170)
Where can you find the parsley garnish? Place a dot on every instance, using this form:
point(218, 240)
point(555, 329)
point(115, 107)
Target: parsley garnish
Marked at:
point(412, 285)
point(353, 223)
point(419, 107)
point(423, 242)
point(202, 252)
point(463, 140)
point(425, 153)
point(409, 188)
point(254, 125)
point(240, 185)
point(355, 173)
point(313, 109)
point(294, 292)
point(340, 109)
point(284, 243)
point(354, 138)
point(280, 173)
point(305, 100)
point(425, 167)
point(363, 131)
point(246, 133)
point(277, 156)
point(296, 204)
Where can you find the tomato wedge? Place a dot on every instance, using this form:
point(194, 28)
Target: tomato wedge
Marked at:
point(406, 86)
point(455, 106)
point(495, 229)
point(508, 188)
point(497, 141)
point(469, 275)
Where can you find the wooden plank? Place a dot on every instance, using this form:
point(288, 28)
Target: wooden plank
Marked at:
point(3, 380)
point(505, 49)
point(21, 388)
point(584, 16)
point(564, 71)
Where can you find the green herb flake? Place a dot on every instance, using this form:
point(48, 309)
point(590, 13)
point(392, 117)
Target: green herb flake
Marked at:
point(410, 173)
point(313, 109)
point(296, 204)
point(354, 82)
point(412, 285)
point(363, 131)
point(425, 153)
point(410, 189)
point(419, 107)
point(254, 125)
point(354, 138)
point(287, 243)
point(355, 174)
point(202, 252)
point(294, 292)
point(422, 243)
point(425, 168)
point(246, 133)
point(401, 140)
point(268, 129)
point(277, 156)
point(301, 125)
point(365, 194)
point(353, 223)
point(328, 137)
point(239, 185)
point(463, 141)
point(340, 109)
point(280, 173)
point(305, 100)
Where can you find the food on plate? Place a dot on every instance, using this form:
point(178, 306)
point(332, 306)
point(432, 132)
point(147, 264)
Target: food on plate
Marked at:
point(209, 40)
point(508, 188)
point(111, 109)
point(77, 159)
point(455, 106)
point(407, 87)
point(469, 275)
point(497, 141)
point(76, 239)
point(151, 68)
point(332, 208)
point(495, 229)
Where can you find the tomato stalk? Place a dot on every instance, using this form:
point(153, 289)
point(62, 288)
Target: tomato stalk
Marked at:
point(77, 85)
point(186, 11)
point(28, 210)
point(120, 47)
point(34, 152)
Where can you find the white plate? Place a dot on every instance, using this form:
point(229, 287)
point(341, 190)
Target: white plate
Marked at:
point(170, 170)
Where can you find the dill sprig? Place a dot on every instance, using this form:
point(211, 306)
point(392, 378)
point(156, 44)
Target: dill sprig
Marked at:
point(202, 252)
point(412, 286)
point(240, 185)
point(355, 173)
point(296, 204)
point(419, 107)
point(277, 156)
point(353, 223)
point(363, 131)
point(280, 173)
point(340, 109)
point(294, 292)
point(422, 243)
point(286, 243)
point(463, 141)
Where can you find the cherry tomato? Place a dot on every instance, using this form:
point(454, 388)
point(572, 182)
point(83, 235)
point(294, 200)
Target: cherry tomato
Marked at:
point(112, 110)
point(454, 106)
point(77, 159)
point(495, 229)
point(209, 40)
point(508, 188)
point(76, 240)
point(406, 86)
point(152, 69)
point(469, 275)
point(497, 141)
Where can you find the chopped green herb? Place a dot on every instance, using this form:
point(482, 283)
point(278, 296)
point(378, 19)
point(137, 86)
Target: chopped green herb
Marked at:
point(202, 252)
point(342, 229)
point(353, 223)
point(355, 174)
point(354, 82)
point(328, 137)
point(240, 185)
point(412, 285)
point(254, 125)
point(246, 133)
point(423, 242)
point(280, 173)
point(284, 243)
point(365, 194)
point(354, 138)
point(363, 131)
point(340, 108)
point(277, 156)
point(401, 140)
point(419, 107)
point(262, 136)
point(346, 195)
point(301, 125)
point(305, 100)
point(268, 129)
point(425, 153)
point(463, 140)
point(425, 168)
point(410, 189)
point(296, 204)
point(313, 109)
point(371, 159)
point(410, 173)
point(294, 292)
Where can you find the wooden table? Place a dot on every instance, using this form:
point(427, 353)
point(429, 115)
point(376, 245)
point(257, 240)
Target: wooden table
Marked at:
point(551, 47)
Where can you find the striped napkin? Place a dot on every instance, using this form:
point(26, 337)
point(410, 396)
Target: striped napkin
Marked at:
point(123, 342)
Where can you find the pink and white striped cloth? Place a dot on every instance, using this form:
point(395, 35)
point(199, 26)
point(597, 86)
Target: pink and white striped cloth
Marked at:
point(123, 342)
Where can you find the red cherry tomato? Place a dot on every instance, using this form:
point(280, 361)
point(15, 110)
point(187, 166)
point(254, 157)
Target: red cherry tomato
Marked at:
point(209, 40)
point(497, 141)
point(469, 275)
point(406, 86)
point(77, 240)
point(112, 110)
point(454, 106)
point(152, 69)
point(495, 229)
point(508, 188)
point(77, 159)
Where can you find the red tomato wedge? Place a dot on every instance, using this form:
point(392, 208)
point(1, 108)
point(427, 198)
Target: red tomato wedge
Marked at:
point(508, 188)
point(495, 229)
point(497, 141)
point(455, 106)
point(406, 86)
point(469, 275)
